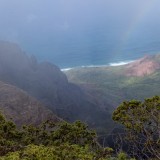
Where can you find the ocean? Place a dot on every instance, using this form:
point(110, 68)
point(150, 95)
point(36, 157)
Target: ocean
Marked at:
point(102, 47)
point(83, 33)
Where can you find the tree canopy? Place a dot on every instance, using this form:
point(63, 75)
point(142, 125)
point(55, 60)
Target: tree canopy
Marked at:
point(75, 141)
point(61, 141)
point(142, 123)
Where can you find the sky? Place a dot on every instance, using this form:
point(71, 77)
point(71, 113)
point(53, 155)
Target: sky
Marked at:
point(73, 32)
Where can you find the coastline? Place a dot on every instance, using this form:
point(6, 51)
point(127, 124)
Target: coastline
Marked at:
point(114, 64)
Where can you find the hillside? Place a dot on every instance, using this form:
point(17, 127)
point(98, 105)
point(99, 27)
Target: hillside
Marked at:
point(22, 108)
point(89, 94)
point(45, 82)
point(142, 67)
point(113, 84)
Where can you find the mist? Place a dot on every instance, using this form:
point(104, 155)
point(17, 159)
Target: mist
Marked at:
point(82, 32)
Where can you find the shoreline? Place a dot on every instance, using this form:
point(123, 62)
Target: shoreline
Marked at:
point(114, 64)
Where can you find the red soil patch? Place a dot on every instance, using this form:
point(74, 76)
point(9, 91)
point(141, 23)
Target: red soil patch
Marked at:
point(142, 67)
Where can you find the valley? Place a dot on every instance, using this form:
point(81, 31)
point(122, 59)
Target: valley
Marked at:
point(86, 94)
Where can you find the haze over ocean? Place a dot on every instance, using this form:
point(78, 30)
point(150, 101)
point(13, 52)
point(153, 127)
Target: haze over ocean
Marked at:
point(82, 32)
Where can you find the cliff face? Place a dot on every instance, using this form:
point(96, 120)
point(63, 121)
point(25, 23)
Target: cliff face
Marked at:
point(24, 72)
point(22, 108)
point(49, 85)
point(44, 81)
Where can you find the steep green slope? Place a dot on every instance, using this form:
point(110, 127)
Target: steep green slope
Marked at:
point(22, 108)
point(112, 85)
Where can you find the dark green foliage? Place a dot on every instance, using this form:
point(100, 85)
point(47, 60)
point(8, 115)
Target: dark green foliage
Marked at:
point(142, 123)
point(49, 141)
point(63, 152)
point(9, 136)
point(76, 133)
point(50, 133)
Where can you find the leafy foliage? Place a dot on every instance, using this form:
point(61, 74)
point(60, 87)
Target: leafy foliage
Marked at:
point(9, 136)
point(142, 123)
point(61, 141)
point(65, 141)
point(63, 152)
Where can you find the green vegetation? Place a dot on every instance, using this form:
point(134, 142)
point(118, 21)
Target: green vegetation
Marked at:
point(66, 141)
point(50, 141)
point(116, 83)
point(110, 86)
point(142, 123)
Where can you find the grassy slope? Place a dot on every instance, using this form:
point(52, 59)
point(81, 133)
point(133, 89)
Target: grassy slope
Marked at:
point(110, 86)
point(22, 108)
point(111, 82)
point(107, 81)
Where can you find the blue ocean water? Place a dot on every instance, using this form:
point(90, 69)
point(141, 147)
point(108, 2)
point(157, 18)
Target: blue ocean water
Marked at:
point(99, 47)
point(96, 43)
point(83, 33)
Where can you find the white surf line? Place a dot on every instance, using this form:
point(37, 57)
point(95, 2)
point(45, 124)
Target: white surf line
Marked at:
point(66, 69)
point(92, 66)
point(120, 63)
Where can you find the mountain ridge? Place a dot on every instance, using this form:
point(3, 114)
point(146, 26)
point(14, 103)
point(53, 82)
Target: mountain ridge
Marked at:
point(22, 108)
point(88, 94)
point(45, 82)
